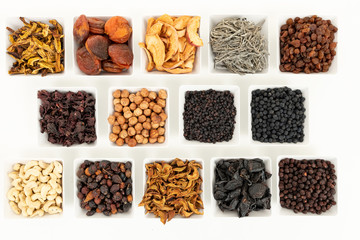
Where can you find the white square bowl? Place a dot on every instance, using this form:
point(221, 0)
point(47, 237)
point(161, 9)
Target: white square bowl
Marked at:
point(215, 19)
point(235, 90)
point(134, 90)
point(130, 43)
point(334, 64)
point(81, 213)
point(288, 212)
point(8, 167)
point(305, 93)
point(177, 217)
point(144, 58)
point(215, 210)
point(15, 23)
point(42, 137)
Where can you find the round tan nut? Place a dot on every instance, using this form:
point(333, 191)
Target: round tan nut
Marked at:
point(145, 141)
point(126, 109)
point(162, 94)
point(138, 112)
point(125, 93)
point(144, 92)
point(123, 134)
point(138, 127)
point(155, 119)
point(139, 139)
point(157, 108)
point(163, 116)
point(116, 114)
point(161, 139)
point(132, 97)
point(152, 95)
point(116, 129)
point(152, 140)
point(147, 125)
point(120, 142)
point(116, 101)
point(151, 105)
point(147, 112)
point(111, 119)
point(145, 133)
point(161, 103)
point(128, 114)
point(132, 142)
point(144, 105)
point(141, 118)
point(162, 124)
point(124, 101)
point(161, 131)
point(118, 107)
point(117, 94)
point(124, 126)
point(132, 106)
point(154, 133)
point(121, 120)
point(131, 131)
point(113, 137)
point(138, 99)
point(155, 125)
point(133, 121)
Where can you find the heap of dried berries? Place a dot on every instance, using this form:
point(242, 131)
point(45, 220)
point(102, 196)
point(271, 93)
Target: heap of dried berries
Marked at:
point(37, 48)
point(240, 185)
point(103, 45)
point(68, 117)
point(173, 188)
point(104, 187)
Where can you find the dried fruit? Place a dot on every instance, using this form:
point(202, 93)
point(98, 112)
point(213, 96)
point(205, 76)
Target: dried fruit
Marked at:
point(118, 29)
point(109, 66)
point(191, 32)
point(98, 45)
point(96, 25)
point(81, 29)
point(87, 63)
point(121, 55)
point(173, 188)
point(37, 48)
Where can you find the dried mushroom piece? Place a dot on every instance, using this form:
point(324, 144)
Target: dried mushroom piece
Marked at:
point(37, 48)
point(173, 188)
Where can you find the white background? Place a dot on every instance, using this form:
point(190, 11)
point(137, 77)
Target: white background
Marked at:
point(333, 122)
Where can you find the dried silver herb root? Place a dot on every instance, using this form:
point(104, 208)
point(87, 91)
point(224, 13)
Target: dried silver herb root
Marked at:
point(239, 46)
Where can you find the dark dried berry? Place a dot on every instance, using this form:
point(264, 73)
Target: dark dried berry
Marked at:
point(107, 213)
point(114, 166)
point(128, 165)
point(128, 173)
point(85, 190)
point(114, 188)
point(104, 164)
point(117, 197)
point(92, 169)
point(104, 189)
point(116, 179)
point(80, 195)
point(90, 213)
point(93, 185)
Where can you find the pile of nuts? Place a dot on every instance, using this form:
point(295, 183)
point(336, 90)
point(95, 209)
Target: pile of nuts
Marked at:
point(139, 118)
point(36, 188)
point(105, 187)
point(307, 45)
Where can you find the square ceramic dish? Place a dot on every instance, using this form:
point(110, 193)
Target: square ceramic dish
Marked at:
point(134, 90)
point(81, 213)
point(15, 23)
point(144, 58)
point(8, 167)
point(130, 43)
point(215, 19)
point(334, 64)
point(288, 212)
point(235, 90)
point(177, 217)
point(305, 93)
point(215, 210)
point(42, 137)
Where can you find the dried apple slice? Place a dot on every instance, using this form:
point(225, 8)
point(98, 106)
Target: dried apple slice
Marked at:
point(189, 63)
point(173, 43)
point(178, 70)
point(191, 32)
point(182, 44)
point(155, 29)
point(181, 33)
point(149, 24)
point(156, 47)
point(172, 65)
point(151, 64)
point(189, 50)
point(181, 22)
point(166, 19)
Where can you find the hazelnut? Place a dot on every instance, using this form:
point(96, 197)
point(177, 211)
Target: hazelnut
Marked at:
point(116, 101)
point(138, 127)
point(138, 93)
point(133, 121)
point(155, 125)
point(125, 93)
point(162, 94)
point(151, 105)
point(145, 141)
point(131, 142)
point(121, 120)
point(113, 137)
point(148, 120)
point(132, 106)
point(120, 142)
point(157, 108)
point(144, 105)
point(137, 112)
point(147, 125)
point(138, 99)
point(155, 118)
point(147, 100)
point(131, 131)
point(139, 138)
point(154, 133)
point(145, 133)
point(152, 95)
point(116, 124)
point(161, 131)
point(128, 114)
point(126, 109)
point(124, 101)
point(116, 129)
point(147, 112)
point(142, 118)
point(123, 134)
point(132, 97)
point(161, 103)
point(163, 116)
point(117, 93)
point(152, 140)
point(118, 107)
point(161, 124)
point(127, 139)
point(116, 114)
point(124, 126)
point(161, 139)
point(144, 92)
point(111, 119)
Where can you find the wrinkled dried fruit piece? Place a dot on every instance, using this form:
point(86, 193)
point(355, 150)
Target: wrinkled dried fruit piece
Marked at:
point(157, 48)
point(96, 25)
point(118, 29)
point(191, 32)
point(181, 22)
point(173, 44)
point(121, 54)
point(81, 29)
point(165, 18)
point(155, 29)
point(87, 63)
point(109, 66)
point(150, 66)
point(98, 46)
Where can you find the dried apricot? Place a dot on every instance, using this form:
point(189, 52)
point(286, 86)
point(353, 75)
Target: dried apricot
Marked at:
point(81, 29)
point(98, 45)
point(96, 25)
point(109, 66)
point(121, 54)
point(87, 63)
point(118, 29)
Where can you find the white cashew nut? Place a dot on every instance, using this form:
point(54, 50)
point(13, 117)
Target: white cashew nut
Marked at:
point(16, 167)
point(43, 164)
point(49, 169)
point(13, 175)
point(39, 213)
point(44, 190)
point(15, 207)
point(16, 183)
point(32, 172)
point(30, 164)
point(43, 178)
point(13, 195)
point(31, 204)
point(48, 204)
point(54, 210)
point(58, 201)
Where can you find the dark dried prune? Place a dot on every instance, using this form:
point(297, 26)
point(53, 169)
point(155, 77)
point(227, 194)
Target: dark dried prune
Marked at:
point(87, 63)
point(233, 184)
point(219, 195)
point(98, 45)
point(121, 55)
